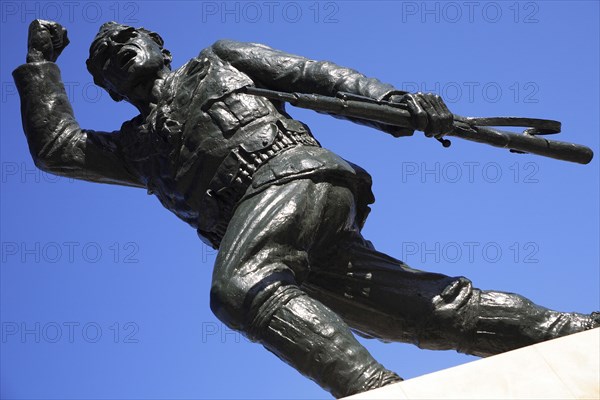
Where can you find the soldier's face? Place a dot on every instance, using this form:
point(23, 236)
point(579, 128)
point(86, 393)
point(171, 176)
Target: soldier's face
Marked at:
point(129, 57)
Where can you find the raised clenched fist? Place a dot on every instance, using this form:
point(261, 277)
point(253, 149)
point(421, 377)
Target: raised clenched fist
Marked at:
point(46, 40)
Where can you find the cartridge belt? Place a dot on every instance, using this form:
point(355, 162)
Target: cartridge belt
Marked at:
point(234, 175)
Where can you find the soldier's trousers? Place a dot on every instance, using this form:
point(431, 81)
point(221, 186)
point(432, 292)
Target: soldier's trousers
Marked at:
point(294, 273)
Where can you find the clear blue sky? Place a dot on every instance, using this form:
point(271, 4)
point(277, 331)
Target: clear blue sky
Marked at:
point(105, 293)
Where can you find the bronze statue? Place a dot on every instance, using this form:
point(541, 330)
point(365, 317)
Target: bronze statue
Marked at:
point(293, 271)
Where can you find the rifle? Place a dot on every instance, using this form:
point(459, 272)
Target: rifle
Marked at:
point(475, 129)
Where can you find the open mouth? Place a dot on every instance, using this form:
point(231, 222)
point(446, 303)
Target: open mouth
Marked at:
point(126, 57)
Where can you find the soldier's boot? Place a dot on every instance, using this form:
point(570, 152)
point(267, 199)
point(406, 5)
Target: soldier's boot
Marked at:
point(594, 320)
point(494, 322)
point(310, 337)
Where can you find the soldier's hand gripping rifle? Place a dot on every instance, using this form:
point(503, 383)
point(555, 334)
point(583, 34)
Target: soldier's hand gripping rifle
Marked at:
point(475, 129)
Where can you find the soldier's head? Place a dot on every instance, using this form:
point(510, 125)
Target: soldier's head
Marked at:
point(123, 57)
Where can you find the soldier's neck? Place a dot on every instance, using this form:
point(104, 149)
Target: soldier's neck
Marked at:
point(146, 96)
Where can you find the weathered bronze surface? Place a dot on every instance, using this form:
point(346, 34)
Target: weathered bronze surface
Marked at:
point(293, 271)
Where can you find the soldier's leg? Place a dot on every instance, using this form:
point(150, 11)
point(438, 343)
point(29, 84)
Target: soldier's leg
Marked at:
point(263, 258)
point(382, 297)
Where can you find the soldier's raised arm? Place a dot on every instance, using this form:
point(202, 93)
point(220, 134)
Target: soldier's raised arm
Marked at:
point(56, 142)
point(278, 70)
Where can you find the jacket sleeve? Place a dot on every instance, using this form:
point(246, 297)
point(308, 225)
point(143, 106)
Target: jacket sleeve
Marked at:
point(277, 70)
point(56, 142)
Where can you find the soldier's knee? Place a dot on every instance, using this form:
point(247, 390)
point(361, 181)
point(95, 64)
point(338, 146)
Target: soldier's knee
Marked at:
point(238, 302)
point(222, 307)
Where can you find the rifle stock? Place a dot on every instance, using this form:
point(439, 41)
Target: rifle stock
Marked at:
point(524, 143)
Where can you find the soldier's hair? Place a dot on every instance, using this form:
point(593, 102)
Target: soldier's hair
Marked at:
point(105, 33)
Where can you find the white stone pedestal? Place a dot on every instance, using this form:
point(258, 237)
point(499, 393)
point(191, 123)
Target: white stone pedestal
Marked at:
point(565, 368)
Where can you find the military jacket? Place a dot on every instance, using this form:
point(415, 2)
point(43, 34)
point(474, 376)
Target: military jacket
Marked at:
point(187, 149)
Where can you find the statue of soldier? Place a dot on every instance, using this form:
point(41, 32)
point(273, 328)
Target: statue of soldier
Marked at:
point(293, 271)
